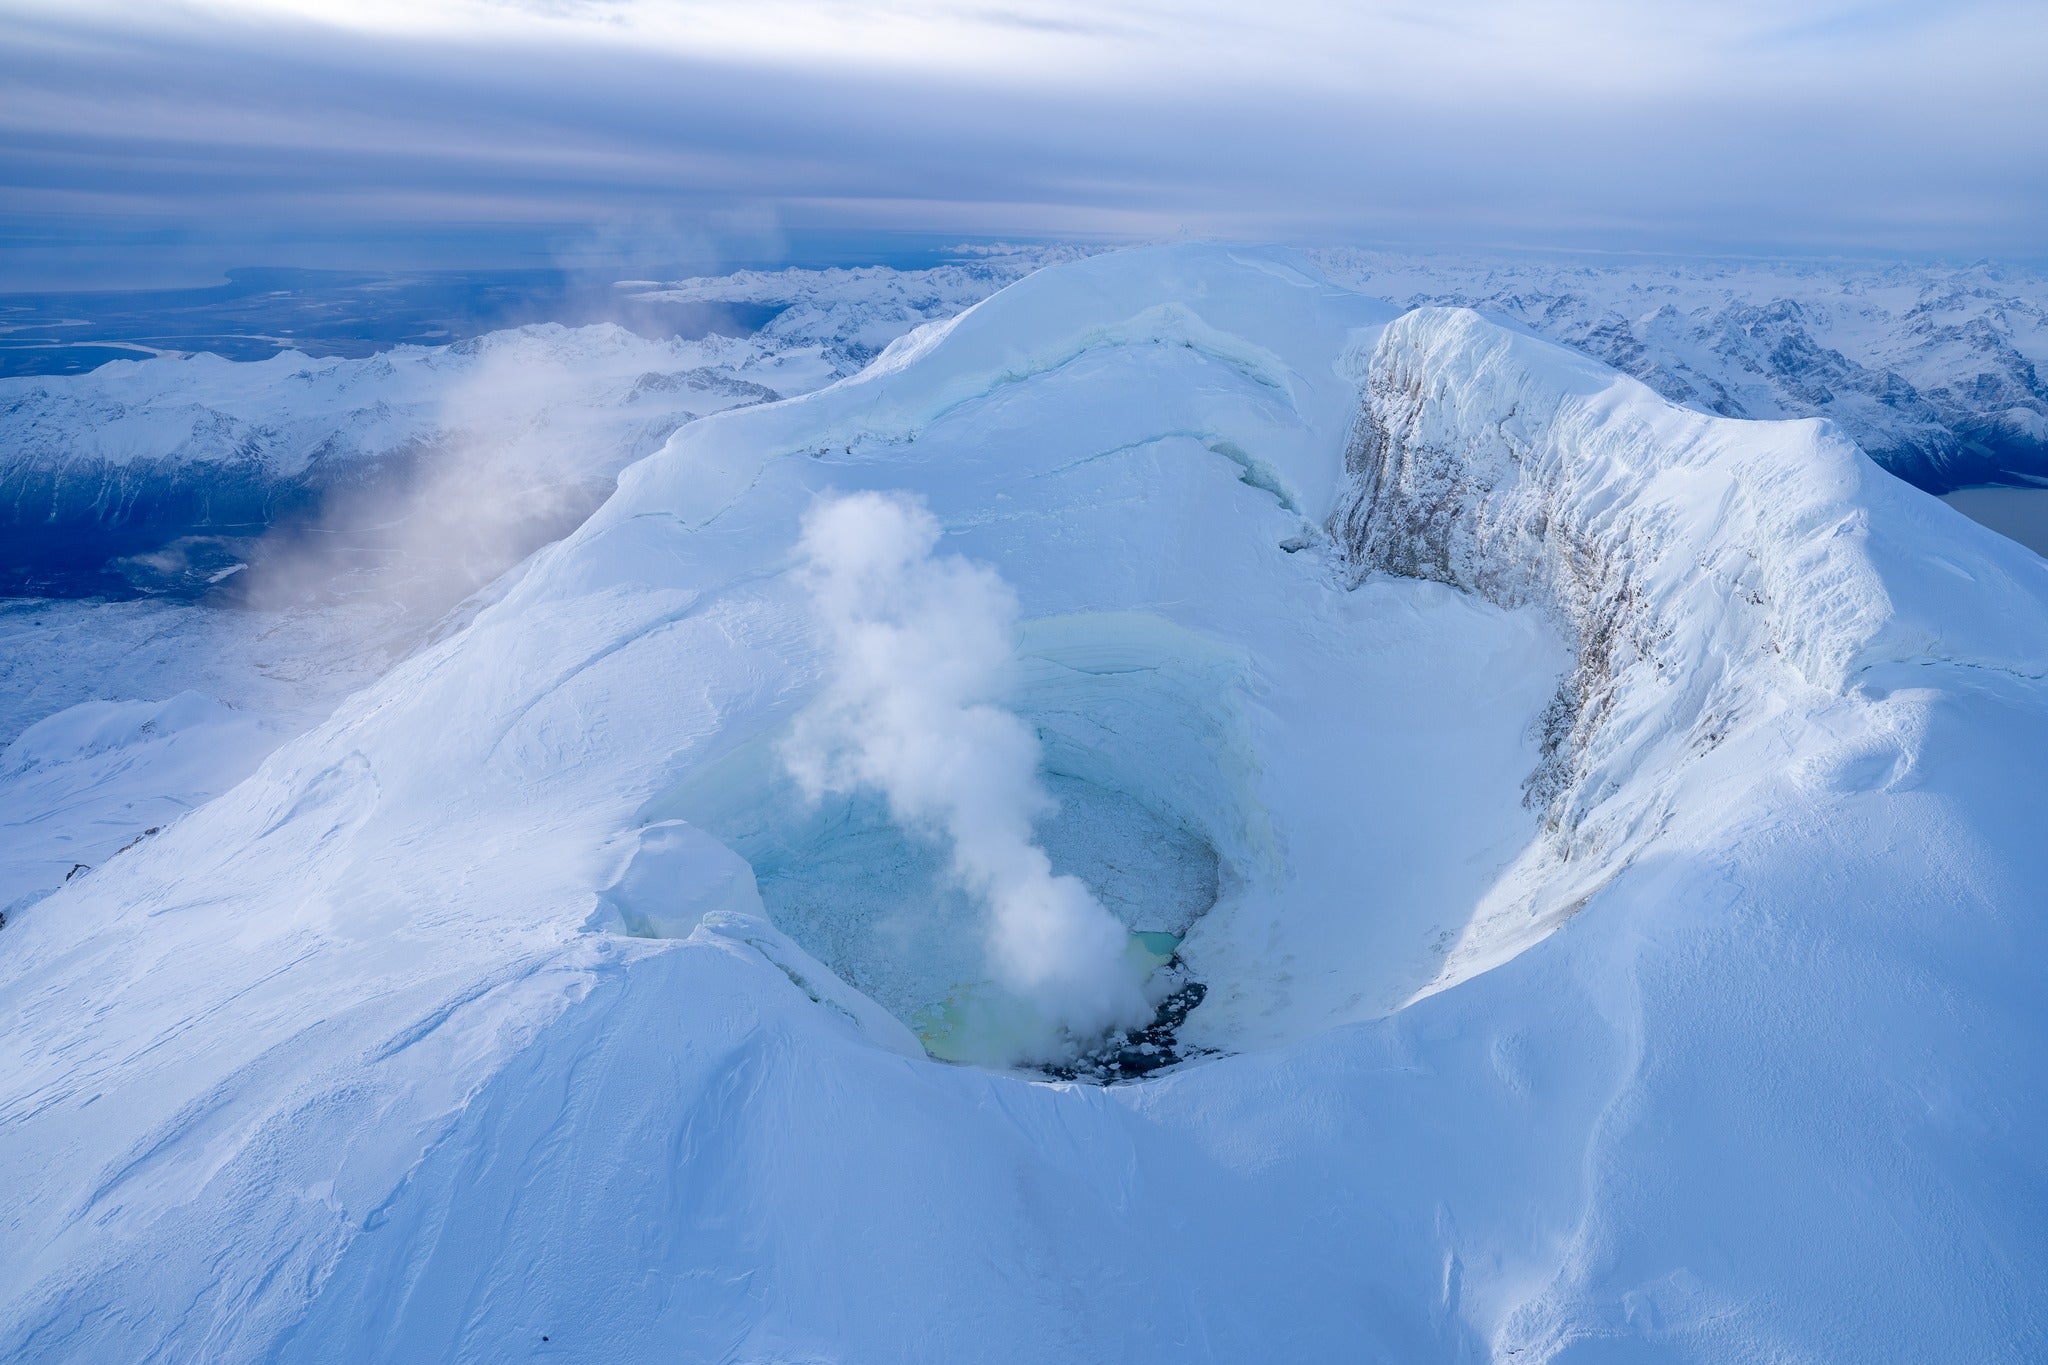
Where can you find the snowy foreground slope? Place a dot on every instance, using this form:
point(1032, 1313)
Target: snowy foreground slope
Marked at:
point(350, 502)
point(412, 479)
point(1623, 924)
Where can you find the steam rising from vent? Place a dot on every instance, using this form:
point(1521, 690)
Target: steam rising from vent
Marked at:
point(490, 480)
point(919, 646)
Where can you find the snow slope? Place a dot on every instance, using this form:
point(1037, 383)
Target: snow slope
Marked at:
point(354, 502)
point(1624, 940)
point(207, 692)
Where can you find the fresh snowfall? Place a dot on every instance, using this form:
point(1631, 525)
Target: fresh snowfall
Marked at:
point(1188, 804)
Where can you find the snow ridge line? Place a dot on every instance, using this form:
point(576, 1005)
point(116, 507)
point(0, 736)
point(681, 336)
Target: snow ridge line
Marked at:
point(1712, 575)
point(1495, 508)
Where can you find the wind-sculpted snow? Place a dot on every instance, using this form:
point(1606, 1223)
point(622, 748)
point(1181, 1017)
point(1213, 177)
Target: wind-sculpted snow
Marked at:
point(300, 524)
point(351, 502)
point(1935, 370)
point(525, 1007)
point(1704, 568)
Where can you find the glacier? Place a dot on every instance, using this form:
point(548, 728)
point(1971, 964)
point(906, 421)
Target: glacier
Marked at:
point(1602, 829)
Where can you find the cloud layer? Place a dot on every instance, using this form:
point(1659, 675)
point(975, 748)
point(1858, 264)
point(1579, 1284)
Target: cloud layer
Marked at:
point(1831, 125)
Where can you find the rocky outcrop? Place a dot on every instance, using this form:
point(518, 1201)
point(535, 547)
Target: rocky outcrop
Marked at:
point(1926, 367)
point(1706, 572)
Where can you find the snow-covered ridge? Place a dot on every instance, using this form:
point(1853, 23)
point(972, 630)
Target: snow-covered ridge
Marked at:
point(1535, 475)
point(1936, 371)
point(1709, 572)
point(516, 1002)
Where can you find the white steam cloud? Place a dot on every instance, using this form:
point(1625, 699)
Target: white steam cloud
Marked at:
point(510, 456)
point(920, 643)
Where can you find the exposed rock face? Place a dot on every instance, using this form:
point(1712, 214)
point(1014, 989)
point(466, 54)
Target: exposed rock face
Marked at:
point(1490, 516)
point(1934, 370)
point(1705, 576)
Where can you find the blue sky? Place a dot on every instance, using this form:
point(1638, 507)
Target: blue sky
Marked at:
point(140, 139)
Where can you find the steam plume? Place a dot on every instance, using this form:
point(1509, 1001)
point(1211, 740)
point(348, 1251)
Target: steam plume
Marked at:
point(919, 645)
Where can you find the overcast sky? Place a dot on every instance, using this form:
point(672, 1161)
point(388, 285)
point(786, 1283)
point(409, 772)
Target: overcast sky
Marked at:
point(427, 131)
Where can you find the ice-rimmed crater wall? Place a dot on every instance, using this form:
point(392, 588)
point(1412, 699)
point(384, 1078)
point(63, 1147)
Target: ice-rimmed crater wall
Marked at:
point(1145, 748)
point(1385, 734)
point(332, 1068)
point(1707, 572)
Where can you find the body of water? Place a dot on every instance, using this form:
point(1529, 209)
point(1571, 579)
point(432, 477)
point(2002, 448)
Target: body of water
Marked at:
point(2018, 513)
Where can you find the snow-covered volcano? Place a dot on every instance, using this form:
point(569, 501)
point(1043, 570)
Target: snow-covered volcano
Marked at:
point(1603, 832)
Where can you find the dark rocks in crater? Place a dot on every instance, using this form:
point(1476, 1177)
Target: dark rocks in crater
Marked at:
point(1133, 1054)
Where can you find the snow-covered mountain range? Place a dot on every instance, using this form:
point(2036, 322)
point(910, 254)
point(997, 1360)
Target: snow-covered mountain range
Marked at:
point(141, 455)
point(850, 315)
point(160, 475)
point(351, 502)
point(1937, 371)
point(1600, 830)
point(157, 475)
